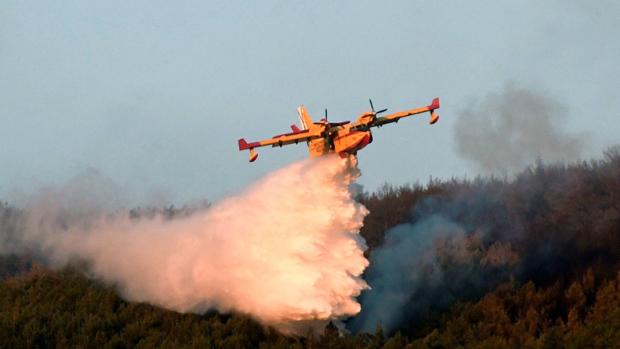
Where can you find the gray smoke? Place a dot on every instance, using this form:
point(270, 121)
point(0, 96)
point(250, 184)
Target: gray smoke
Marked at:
point(514, 128)
point(398, 269)
point(425, 265)
point(444, 254)
point(78, 202)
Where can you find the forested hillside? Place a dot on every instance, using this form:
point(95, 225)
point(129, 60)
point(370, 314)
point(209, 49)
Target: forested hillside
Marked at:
point(537, 266)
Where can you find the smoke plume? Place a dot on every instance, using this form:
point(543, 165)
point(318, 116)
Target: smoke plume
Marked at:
point(398, 267)
point(512, 129)
point(286, 250)
point(447, 253)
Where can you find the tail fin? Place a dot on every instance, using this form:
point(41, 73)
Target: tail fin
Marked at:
point(304, 117)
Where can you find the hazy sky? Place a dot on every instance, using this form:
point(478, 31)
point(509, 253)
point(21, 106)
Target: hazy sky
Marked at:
point(155, 94)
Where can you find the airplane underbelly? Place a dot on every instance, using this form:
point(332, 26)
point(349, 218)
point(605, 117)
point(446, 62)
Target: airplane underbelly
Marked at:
point(318, 147)
point(352, 142)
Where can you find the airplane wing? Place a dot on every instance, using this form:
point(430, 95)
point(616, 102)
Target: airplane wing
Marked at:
point(382, 120)
point(277, 141)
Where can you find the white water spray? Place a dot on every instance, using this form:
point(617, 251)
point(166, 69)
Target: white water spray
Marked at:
point(287, 250)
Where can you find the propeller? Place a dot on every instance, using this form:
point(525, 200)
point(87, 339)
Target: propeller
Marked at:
point(372, 107)
point(328, 133)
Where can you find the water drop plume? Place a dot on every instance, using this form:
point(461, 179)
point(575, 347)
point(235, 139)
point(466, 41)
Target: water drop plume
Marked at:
point(287, 250)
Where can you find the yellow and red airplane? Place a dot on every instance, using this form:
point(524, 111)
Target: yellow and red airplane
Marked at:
point(344, 138)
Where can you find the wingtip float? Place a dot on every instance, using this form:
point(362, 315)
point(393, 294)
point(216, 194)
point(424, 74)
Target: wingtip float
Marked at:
point(344, 138)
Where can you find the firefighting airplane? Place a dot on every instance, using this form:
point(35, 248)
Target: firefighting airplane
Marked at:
point(344, 138)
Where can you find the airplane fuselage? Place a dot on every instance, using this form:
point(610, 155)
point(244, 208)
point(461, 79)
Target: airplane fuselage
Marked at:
point(342, 141)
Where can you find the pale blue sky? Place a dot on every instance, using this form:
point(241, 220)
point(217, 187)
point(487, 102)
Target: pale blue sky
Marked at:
point(155, 94)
